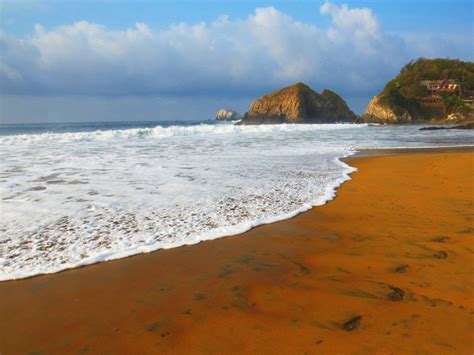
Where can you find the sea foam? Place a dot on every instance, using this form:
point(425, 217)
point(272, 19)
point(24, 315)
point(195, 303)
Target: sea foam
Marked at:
point(165, 132)
point(76, 198)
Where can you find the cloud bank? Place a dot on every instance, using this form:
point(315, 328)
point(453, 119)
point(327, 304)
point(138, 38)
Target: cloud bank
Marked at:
point(266, 50)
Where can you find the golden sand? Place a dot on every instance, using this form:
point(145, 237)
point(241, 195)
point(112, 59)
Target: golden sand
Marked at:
point(386, 267)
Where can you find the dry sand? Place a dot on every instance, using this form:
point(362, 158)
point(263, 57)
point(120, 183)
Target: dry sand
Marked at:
point(393, 253)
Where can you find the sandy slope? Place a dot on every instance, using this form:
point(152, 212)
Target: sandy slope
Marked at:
point(395, 248)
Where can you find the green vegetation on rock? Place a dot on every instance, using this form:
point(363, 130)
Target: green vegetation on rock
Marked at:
point(408, 98)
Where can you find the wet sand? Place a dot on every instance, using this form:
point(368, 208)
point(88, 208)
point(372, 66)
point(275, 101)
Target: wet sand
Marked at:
point(386, 267)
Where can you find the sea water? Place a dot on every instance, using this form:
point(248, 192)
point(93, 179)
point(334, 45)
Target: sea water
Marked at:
point(76, 194)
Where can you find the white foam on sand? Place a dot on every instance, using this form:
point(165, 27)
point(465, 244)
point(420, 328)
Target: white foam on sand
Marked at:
point(72, 199)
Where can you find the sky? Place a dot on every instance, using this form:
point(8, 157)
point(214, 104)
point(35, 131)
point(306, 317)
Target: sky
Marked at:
point(116, 60)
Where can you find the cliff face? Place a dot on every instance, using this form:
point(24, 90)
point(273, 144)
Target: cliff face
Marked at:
point(379, 111)
point(298, 104)
point(376, 112)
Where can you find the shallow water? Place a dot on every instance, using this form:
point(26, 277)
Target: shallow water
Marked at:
point(75, 195)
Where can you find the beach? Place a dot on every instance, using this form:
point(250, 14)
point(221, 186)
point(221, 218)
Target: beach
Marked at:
point(385, 267)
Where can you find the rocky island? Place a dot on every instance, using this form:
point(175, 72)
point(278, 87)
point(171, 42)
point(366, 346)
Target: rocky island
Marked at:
point(426, 90)
point(225, 114)
point(298, 104)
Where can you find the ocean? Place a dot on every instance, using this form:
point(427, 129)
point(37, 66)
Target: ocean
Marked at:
point(77, 194)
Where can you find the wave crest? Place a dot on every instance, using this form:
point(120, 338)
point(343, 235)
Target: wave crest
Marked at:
point(159, 132)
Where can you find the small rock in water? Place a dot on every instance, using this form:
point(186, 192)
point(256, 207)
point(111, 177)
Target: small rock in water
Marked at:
point(227, 114)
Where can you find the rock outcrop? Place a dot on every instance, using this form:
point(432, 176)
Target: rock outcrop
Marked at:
point(226, 114)
point(426, 90)
point(298, 104)
point(377, 112)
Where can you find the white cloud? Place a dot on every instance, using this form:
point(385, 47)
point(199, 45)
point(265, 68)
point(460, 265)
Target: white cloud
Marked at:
point(266, 50)
point(362, 20)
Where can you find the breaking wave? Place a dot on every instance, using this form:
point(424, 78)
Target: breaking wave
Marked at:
point(167, 132)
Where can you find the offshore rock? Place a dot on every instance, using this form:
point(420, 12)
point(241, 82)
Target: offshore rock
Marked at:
point(299, 104)
point(226, 114)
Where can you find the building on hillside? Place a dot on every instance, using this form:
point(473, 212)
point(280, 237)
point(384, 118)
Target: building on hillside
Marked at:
point(436, 87)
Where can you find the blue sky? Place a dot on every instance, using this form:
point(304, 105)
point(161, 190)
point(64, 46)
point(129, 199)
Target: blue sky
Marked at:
point(19, 16)
point(118, 60)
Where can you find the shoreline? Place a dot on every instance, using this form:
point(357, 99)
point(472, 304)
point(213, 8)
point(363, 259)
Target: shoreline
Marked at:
point(392, 248)
point(372, 152)
point(327, 198)
point(329, 195)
